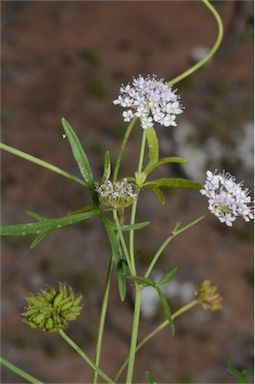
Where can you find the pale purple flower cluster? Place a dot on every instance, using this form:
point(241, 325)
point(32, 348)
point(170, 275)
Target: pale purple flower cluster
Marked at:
point(150, 99)
point(227, 199)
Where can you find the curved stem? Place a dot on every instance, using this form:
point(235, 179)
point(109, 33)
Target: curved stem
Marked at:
point(169, 238)
point(164, 324)
point(102, 317)
point(42, 163)
point(122, 148)
point(19, 372)
point(85, 357)
point(212, 51)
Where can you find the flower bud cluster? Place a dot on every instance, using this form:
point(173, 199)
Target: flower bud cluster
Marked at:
point(150, 99)
point(118, 194)
point(227, 199)
point(52, 309)
point(208, 296)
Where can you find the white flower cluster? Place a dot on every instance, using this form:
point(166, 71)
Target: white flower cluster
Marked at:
point(118, 194)
point(151, 100)
point(227, 199)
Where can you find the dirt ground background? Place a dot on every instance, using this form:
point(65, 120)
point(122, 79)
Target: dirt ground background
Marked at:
point(68, 58)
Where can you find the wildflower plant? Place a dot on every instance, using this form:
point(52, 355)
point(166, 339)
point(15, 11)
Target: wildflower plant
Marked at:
point(147, 101)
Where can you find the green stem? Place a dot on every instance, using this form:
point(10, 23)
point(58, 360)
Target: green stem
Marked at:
point(169, 238)
point(134, 206)
point(102, 318)
point(164, 324)
point(19, 372)
point(122, 148)
point(133, 343)
point(85, 357)
point(136, 316)
point(42, 163)
point(122, 240)
point(212, 51)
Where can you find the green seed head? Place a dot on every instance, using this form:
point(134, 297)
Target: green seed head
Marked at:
point(207, 294)
point(52, 309)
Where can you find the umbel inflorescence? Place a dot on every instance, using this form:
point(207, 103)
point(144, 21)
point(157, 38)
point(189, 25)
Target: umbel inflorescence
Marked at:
point(52, 309)
point(119, 194)
point(227, 199)
point(150, 99)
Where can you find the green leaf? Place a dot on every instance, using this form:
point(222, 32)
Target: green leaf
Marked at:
point(41, 163)
point(167, 277)
point(107, 167)
point(166, 309)
point(44, 225)
point(158, 193)
point(122, 269)
point(153, 146)
point(36, 215)
point(173, 182)
point(114, 242)
point(135, 226)
point(144, 280)
point(150, 167)
point(81, 158)
point(150, 378)
point(241, 376)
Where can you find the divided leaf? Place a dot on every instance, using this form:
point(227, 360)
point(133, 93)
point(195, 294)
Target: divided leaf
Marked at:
point(80, 157)
point(44, 225)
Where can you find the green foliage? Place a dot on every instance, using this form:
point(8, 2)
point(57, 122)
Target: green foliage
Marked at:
point(44, 225)
point(150, 167)
point(167, 277)
point(153, 146)
point(81, 158)
point(107, 167)
point(155, 284)
point(159, 194)
point(121, 270)
point(150, 378)
point(240, 376)
point(52, 309)
point(173, 182)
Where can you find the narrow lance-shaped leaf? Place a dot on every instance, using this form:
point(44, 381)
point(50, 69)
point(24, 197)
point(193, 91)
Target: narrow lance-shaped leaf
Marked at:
point(122, 269)
point(107, 167)
point(150, 167)
point(174, 182)
point(159, 194)
point(166, 309)
point(150, 378)
point(167, 277)
point(153, 146)
point(81, 158)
